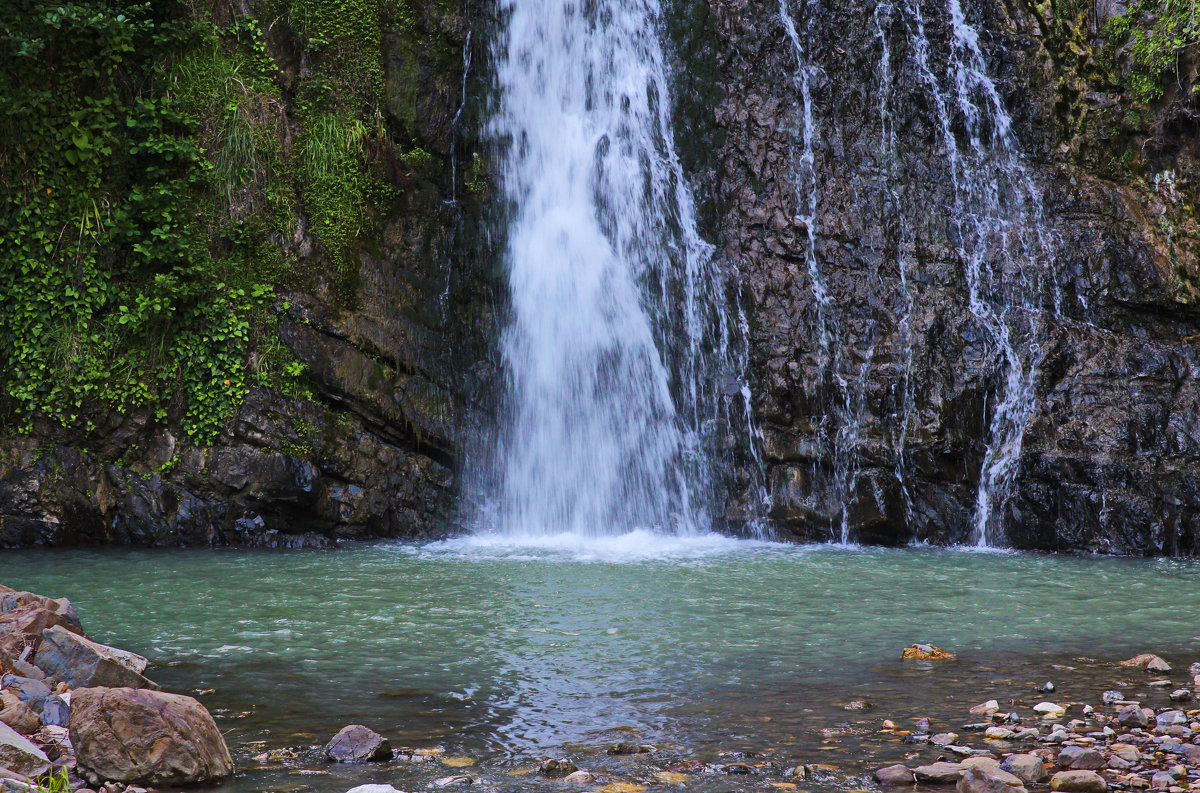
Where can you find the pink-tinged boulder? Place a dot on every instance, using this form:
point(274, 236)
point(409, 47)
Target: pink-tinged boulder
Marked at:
point(144, 737)
point(358, 744)
point(1078, 782)
point(83, 663)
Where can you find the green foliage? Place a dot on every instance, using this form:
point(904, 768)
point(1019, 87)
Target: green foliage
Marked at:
point(1156, 32)
point(106, 285)
point(56, 782)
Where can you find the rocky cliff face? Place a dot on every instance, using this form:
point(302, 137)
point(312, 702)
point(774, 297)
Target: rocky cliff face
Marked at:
point(907, 329)
point(392, 352)
point(881, 433)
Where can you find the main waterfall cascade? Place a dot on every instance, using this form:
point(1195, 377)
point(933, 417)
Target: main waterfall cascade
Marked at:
point(996, 225)
point(619, 355)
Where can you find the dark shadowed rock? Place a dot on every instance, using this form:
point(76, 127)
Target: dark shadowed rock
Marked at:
point(358, 744)
point(138, 736)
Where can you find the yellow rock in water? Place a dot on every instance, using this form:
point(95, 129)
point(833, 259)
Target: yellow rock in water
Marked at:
point(458, 762)
point(620, 787)
point(671, 777)
point(783, 785)
point(926, 652)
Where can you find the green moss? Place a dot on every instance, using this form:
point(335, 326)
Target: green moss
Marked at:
point(1156, 33)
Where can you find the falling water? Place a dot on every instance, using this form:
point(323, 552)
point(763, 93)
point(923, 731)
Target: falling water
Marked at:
point(617, 349)
point(1001, 235)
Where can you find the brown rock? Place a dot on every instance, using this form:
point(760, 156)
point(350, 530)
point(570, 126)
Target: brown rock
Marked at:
point(17, 714)
point(897, 774)
point(984, 779)
point(146, 737)
point(358, 744)
point(938, 773)
point(1078, 782)
point(22, 627)
point(1148, 661)
point(925, 652)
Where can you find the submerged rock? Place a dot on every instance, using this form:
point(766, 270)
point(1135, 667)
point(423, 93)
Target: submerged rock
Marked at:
point(925, 652)
point(630, 747)
point(146, 737)
point(557, 768)
point(355, 743)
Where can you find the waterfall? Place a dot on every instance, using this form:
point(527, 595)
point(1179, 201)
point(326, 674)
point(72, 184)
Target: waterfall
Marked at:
point(617, 350)
point(1000, 233)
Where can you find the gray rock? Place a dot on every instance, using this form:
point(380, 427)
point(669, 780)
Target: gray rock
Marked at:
point(1028, 768)
point(1132, 716)
point(457, 779)
point(1081, 758)
point(1078, 782)
point(82, 663)
point(1181, 695)
point(1126, 752)
point(374, 789)
point(944, 738)
point(1161, 780)
point(630, 747)
point(55, 711)
point(1170, 718)
point(940, 773)
point(32, 692)
point(897, 774)
point(18, 754)
point(580, 778)
point(355, 743)
point(1119, 764)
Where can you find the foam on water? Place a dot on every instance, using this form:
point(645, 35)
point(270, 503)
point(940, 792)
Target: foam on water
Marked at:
point(638, 546)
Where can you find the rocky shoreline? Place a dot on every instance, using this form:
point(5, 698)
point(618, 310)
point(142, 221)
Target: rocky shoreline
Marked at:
point(77, 713)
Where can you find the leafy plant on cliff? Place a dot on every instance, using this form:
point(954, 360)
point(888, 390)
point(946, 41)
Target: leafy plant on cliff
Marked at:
point(1156, 33)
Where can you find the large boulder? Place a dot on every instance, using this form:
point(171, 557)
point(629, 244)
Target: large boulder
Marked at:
point(143, 737)
point(1078, 782)
point(82, 663)
point(358, 744)
point(17, 753)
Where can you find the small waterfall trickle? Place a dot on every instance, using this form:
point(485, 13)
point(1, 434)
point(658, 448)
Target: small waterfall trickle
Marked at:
point(618, 349)
point(1000, 233)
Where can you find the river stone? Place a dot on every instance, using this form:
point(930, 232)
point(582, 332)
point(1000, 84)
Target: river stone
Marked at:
point(18, 754)
point(1078, 782)
point(1127, 752)
point(22, 628)
point(1181, 695)
point(1132, 716)
point(1161, 780)
point(944, 738)
point(555, 768)
point(1081, 758)
point(374, 789)
point(1170, 718)
point(1027, 767)
point(17, 714)
point(985, 779)
point(986, 708)
point(82, 663)
point(56, 712)
point(897, 774)
point(144, 737)
point(580, 778)
point(940, 773)
point(358, 744)
point(1148, 661)
point(925, 652)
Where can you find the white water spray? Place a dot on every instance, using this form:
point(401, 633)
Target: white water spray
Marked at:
point(617, 342)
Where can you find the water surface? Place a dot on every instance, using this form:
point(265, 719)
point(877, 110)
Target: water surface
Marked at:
point(506, 651)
